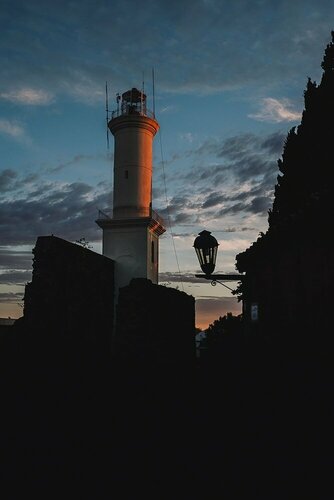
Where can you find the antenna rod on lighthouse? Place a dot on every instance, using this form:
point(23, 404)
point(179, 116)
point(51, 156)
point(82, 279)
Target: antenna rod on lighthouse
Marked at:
point(153, 92)
point(107, 114)
point(142, 96)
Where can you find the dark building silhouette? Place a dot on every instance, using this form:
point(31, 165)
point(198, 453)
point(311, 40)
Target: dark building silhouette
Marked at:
point(155, 325)
point(71, 294)
point(289, 269)
point(69, 308)
point(62, 342)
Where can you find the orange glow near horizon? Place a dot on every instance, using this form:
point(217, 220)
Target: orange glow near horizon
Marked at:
point(207, 311)
point(10, 310)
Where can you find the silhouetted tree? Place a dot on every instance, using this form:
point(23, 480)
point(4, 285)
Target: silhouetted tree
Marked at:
point(281, 265)
point(223, 337)
point(304, 189)
point(84, 243)
point(227, 325)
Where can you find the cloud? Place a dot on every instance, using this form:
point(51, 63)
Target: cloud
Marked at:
point(170, 277)
point(12, 129)
point(240, 147)
point(273, 143)
point(7, 177)
point(77, 160)
point(11, 181)
point(84, 89)
point(231, 177)
point(185, 276)
point(187, 137)
point(15, 277)
point(11, 297)
point(235, 245)
point(71, 48)
point(258, 205)
point(28, 96)
point(273, 110)
point(66, 210)
point(15, 259)
point(213, 199)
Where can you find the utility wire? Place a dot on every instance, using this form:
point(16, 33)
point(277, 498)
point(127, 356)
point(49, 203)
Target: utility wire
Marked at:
point(167, 207)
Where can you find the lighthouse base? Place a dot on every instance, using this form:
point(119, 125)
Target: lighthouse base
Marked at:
point(134, 246)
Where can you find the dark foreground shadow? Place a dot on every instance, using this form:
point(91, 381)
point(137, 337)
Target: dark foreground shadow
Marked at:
point(254, 426)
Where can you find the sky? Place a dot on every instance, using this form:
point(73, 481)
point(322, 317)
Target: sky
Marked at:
point(229, 79)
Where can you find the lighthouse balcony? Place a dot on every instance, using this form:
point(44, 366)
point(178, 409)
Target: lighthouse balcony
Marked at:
point(154, 221)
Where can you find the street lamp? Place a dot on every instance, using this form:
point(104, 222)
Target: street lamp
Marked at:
point(206, 247)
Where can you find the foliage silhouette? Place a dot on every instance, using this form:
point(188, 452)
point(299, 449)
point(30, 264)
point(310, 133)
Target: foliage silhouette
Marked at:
point(295, 247)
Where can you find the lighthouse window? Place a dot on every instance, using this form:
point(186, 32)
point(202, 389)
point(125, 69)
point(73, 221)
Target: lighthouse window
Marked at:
point(152, 252)
point(126, 174)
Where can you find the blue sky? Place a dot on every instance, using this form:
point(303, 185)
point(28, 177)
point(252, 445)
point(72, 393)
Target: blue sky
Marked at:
point(229, 83)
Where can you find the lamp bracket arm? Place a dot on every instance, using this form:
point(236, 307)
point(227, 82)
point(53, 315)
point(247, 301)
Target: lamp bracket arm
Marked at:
point(214, 282)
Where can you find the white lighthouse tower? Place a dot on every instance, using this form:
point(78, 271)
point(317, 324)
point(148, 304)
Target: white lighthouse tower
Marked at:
point(131, 234)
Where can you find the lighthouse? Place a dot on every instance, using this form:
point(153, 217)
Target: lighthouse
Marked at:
point(131, 233)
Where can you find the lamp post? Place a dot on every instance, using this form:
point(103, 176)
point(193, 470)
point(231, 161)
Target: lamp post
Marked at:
point(206, 247)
